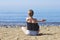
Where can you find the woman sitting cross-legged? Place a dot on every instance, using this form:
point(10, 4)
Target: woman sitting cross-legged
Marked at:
point(32, 24)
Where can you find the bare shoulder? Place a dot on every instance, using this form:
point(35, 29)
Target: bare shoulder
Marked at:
point(27, 19)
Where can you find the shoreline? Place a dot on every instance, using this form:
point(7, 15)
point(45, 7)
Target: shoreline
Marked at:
point(16, 26)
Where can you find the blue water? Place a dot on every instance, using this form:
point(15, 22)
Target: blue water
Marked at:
point(20, 17)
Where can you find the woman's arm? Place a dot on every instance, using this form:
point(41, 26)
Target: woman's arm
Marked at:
point(41, 20)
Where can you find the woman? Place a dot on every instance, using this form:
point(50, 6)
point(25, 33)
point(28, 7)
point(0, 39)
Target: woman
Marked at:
point(32, 24)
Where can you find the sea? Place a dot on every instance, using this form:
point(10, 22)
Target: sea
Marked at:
point(19, 18)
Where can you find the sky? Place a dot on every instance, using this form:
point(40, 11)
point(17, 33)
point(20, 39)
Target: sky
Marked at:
point(24, 5)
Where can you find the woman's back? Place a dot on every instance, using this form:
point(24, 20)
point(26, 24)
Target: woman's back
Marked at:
point(31, 20)
point(32, 24)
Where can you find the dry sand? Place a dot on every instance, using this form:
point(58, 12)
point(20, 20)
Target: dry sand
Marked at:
point(47, 33)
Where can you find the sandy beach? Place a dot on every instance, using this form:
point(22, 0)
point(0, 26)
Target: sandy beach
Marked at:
point(46, 33)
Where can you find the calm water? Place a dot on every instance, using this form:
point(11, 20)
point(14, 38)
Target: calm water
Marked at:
point(19, 17)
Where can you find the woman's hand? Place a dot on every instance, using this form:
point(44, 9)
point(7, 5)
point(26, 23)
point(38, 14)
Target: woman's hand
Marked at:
point(43, 20)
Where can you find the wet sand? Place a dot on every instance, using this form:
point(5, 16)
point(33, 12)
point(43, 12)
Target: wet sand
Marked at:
point(46, 33)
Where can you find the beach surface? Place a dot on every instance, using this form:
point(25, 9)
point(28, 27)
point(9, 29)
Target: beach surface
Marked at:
point(46, 33)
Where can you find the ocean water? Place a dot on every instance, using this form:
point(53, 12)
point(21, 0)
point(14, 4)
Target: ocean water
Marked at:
point(20, 17)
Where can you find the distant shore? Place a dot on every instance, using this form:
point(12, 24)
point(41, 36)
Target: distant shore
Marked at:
point(46, 33)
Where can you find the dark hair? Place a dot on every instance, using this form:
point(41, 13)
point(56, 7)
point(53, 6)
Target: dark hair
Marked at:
point(31, 12)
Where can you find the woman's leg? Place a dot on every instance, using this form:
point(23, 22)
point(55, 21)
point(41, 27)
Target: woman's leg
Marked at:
point(28, 32)
point(24, 29)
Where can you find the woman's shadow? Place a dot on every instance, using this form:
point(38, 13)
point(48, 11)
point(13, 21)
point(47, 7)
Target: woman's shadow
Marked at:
point(41, 34)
